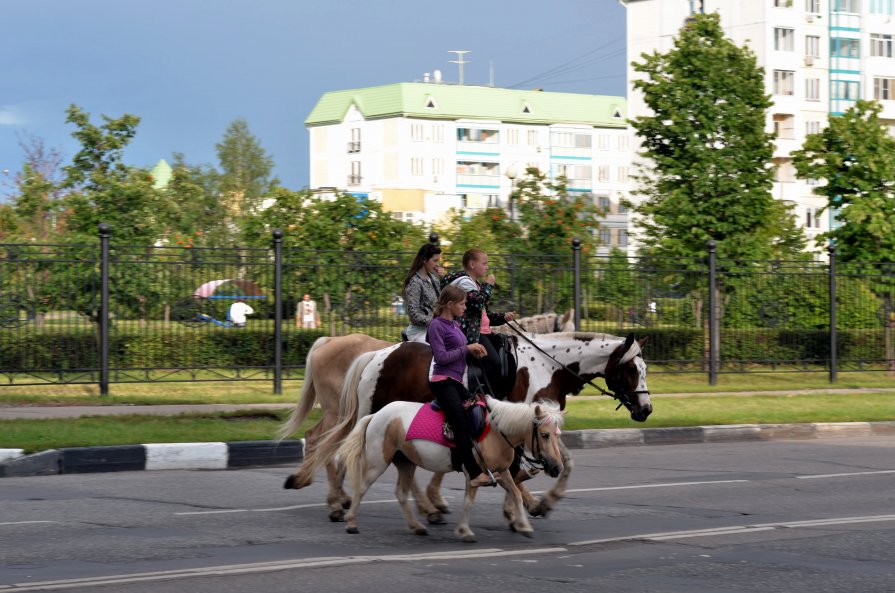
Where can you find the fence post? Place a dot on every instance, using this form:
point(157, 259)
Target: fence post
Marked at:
point(832, 250)
point(105, 231)
point(277, 311)
point(714, 347)
point(576, 252)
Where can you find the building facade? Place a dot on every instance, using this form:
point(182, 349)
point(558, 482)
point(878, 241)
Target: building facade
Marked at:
point(422, 149)
point(819, 56)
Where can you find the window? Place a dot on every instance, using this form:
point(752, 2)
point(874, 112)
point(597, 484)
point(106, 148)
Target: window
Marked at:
point(812, 218)
point(812, 46)
point(416, 132)
point(845, 48)
point(784, 82)
point(477, 135)
point(512, 136)
point(622, 238)
point(570, 140)
point(416, 166)
point(881, 7)
point(812, 89)
point(783, 39)
point(437, 132)
point(881, 45)
point(603, 203)
point(783, 3)
point(884, 89)
point(848, 90)
point(853, 6)
point(354, 143)
point(605, 236)
point(603, 173)
point(355, 177)
point(812, 127)
point(812, 6)
point(624, 143)
point(437, 166)
point(603, 140)
point(532, 137)
point(784, 125)
point(622, 174)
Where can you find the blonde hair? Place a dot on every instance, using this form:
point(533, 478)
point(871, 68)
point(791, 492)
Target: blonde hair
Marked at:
point(449, 294)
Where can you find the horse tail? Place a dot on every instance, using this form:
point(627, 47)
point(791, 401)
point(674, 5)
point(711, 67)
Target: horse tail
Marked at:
point(352, 453)
point(329, 442)
point(306, 398)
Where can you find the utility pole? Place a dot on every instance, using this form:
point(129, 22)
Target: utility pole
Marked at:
point(460, 61)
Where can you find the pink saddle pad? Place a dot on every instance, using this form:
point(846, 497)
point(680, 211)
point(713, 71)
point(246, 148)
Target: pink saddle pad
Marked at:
point(427, 425)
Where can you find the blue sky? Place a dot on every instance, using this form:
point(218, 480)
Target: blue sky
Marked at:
point(188, 68)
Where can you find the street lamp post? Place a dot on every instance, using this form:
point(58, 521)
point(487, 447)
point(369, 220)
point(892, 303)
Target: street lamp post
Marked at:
point(511, 175)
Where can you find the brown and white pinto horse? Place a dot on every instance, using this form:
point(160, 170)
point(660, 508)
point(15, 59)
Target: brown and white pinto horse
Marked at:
point(549, 367)
point(327, 363)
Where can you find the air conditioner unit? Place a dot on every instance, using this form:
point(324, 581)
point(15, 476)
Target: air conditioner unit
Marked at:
point(809, 60)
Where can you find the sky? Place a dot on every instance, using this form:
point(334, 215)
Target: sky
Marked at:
point(188, 68)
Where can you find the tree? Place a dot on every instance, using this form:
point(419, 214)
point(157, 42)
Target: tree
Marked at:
point(104, 189)
point(245, 169)
point(855, 155)
point(709, 173)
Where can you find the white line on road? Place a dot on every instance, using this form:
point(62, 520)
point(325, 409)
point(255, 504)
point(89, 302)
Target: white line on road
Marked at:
point(26, 522)
point(818, 476)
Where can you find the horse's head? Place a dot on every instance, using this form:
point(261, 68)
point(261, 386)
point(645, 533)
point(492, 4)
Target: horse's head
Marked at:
point(565, 322)
point(626, 378)
point(545, 434)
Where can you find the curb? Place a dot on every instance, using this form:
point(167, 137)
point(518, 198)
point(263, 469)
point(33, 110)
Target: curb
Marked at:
point(161, 456)
point(241, 454)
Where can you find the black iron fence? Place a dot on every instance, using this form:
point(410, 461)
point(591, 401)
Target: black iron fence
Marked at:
point(107, 313)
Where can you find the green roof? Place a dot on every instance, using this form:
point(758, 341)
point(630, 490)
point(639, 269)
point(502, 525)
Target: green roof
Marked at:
point(452, 102)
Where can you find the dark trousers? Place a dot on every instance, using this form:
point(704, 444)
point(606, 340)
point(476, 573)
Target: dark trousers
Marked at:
point(450, 395)
point(491, 365)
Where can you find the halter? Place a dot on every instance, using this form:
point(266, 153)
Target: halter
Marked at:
point(622, 395)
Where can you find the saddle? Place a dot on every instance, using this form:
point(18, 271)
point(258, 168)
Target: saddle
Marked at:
point(495, 382)
point(476, 412)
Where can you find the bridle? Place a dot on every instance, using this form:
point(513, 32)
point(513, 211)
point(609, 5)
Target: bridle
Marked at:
point(622, 394)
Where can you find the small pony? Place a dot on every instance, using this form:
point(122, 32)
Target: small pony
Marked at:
point(380, 439)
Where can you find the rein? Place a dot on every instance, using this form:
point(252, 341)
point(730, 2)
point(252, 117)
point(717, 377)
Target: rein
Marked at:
point(623, 397)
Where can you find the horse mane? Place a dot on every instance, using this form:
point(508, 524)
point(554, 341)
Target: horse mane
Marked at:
point(517, 418)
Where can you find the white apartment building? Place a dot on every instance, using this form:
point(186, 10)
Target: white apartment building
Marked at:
point(424, 148)
point(819, 56)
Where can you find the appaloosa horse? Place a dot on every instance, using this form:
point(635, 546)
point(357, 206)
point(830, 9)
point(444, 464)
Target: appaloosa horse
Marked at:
point(384, 438)
point(549, 367)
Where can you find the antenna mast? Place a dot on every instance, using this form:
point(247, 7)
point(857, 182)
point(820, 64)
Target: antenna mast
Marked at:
point(460, 61)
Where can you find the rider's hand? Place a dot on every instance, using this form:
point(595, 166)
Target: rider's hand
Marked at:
point(477, 350)
point(509, 316)
point(489, 279)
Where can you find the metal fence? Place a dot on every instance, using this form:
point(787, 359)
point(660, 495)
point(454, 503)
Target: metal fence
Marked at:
point(105, 313)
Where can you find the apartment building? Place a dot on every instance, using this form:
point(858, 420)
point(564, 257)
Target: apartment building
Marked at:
point(426, 147)
point(819, 56)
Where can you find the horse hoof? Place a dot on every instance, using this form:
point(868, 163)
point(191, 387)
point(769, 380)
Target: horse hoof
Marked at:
point(529, 534)
point(420, 531)
point(352, 530)
point(469, 539)
point(435, 519)
point(337, 516)
point(443, 509)
point(292, 483)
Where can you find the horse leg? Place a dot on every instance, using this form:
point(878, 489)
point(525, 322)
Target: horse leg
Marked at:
point(301, 479)
point(433, 515)
point(375, 468)
point(555, 494)
point(402, 488)
point(433, 493)
point(463, 531)
point(514, 510)
point(337, 499)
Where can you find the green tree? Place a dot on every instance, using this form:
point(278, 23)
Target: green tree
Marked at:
point(104, 189)
point(856, 157)
point(245, 169)
point(708, 174)
point(198, 218)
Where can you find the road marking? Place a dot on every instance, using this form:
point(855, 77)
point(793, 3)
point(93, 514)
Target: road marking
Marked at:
point(261, 567)
point(26, 522)
point(312, 505)
point(817, 476)
point(737, 529)
point(637, 486)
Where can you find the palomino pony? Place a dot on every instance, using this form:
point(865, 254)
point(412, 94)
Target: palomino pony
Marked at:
point(545, 323)
point(325, 367)
point(549, 367)
point(380, 439)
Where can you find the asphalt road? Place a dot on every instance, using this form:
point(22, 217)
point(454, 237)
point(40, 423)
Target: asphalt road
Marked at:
point(783, 516)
